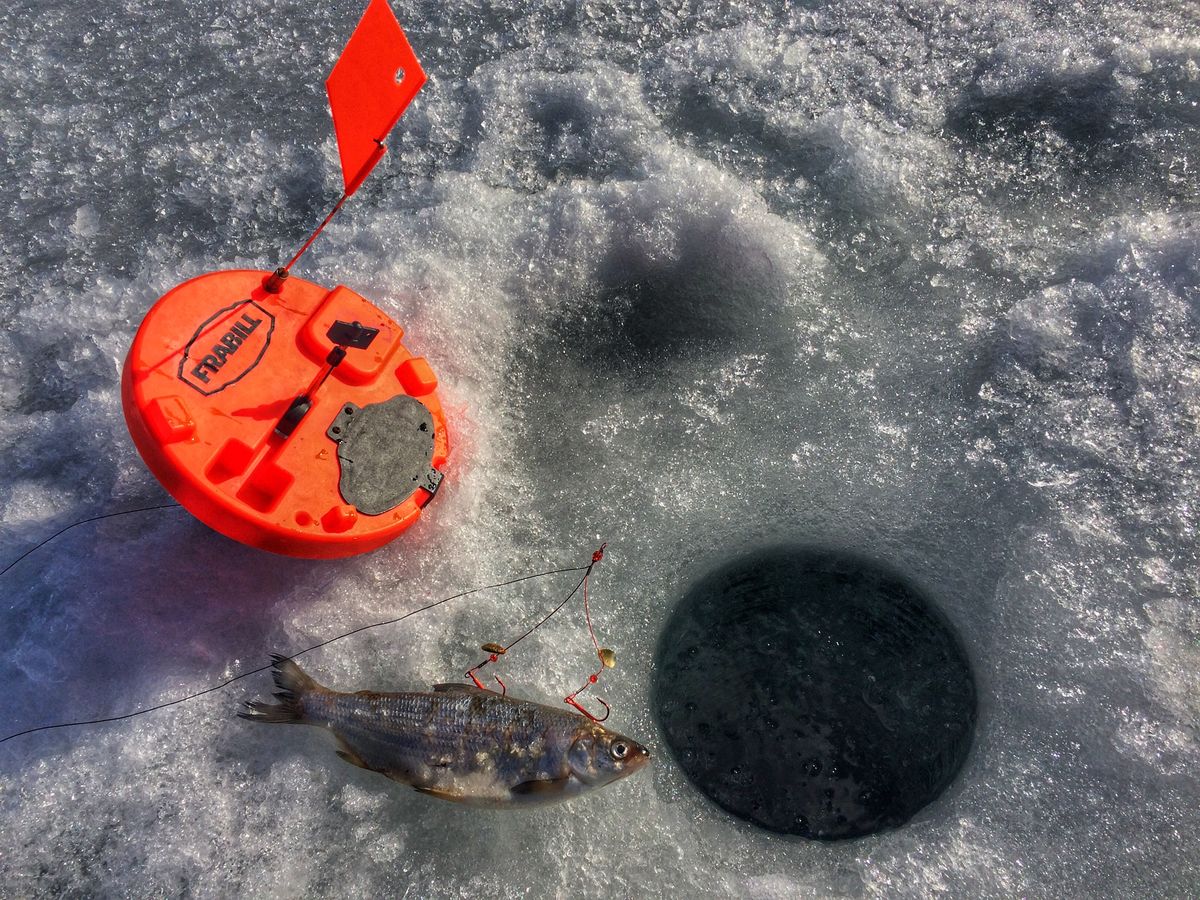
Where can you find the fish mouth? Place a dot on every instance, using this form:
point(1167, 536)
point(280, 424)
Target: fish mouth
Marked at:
point(638, 758)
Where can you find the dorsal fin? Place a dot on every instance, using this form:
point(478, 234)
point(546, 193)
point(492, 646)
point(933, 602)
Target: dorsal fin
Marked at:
point(457, 687)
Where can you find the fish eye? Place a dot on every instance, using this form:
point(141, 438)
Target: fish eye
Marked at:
point(620, 750)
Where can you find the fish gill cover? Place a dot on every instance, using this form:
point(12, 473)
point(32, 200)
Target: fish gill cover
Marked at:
point(918, 281)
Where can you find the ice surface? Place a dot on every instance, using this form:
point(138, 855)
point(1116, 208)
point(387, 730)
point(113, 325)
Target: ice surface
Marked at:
point(917, 280)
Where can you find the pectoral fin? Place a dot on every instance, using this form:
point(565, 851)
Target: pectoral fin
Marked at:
point(544, 788)
point(441, 795)
point(346, 752)
point(352, 759)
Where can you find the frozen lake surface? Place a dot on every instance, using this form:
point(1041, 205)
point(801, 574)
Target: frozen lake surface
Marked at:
point(916, 281)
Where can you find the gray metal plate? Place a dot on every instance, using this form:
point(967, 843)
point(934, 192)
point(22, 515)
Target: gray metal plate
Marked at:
point(385, 451)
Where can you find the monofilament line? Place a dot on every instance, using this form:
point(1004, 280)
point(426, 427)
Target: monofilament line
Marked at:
point(62, 531)
point(326, 643)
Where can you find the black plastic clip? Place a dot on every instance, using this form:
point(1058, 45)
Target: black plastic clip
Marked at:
point(343, 335)
point(351, 334)
point(297, 411)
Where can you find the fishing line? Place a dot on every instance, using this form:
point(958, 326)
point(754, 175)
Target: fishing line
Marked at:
point(62, 531)
point(606, 656)
point(141, 712)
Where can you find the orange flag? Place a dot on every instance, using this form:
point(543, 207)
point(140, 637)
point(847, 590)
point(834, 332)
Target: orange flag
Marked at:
point(371, 85)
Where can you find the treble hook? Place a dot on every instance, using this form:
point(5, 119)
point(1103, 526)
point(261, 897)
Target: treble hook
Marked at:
point(479, 684)
point(495, 651)
point(570, 698)
point(579, 706)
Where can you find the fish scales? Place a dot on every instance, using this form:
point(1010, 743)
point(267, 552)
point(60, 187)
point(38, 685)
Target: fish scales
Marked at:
point(458, 742)
point(414, 728)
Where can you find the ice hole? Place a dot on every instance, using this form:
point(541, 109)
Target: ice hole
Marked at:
point(815, 693)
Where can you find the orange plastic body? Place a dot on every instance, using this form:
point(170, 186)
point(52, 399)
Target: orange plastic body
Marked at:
point(216, 363)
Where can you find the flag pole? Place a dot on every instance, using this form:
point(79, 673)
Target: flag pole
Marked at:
point(372, 83)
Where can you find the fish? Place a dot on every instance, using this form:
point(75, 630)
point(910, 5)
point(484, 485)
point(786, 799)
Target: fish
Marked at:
point(458, 742)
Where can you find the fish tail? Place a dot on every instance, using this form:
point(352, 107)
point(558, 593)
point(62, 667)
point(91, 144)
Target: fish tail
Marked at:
point(293, 683)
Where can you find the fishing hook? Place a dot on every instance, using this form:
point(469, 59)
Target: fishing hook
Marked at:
point(479, 684)
point(579, 706)
point(570, 698)
point(495, 651)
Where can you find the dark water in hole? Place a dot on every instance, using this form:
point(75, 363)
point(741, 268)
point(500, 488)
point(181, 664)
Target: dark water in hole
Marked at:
point(815, 693)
